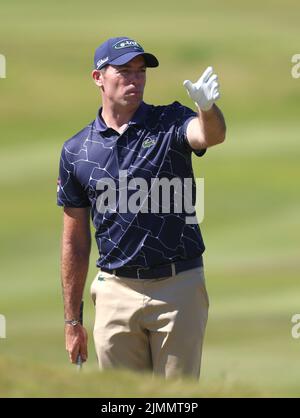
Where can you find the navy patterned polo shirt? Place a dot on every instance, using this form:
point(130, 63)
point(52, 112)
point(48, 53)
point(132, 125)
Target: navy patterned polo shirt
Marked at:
point(98, 160)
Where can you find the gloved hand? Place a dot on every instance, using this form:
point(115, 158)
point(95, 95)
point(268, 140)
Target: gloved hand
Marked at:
point(205, 91)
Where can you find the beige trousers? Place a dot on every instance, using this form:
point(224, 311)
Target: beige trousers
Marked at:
point(151, 324)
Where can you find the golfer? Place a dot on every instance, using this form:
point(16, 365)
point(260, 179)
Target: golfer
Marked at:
point(130, 171)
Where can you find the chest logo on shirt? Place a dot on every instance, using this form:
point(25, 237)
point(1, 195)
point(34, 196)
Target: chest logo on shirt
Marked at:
point(149, 142)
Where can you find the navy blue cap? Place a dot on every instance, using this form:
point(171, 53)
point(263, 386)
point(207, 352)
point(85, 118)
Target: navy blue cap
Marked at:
point(119, 51)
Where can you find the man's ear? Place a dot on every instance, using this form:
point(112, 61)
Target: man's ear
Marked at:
point(98, 78)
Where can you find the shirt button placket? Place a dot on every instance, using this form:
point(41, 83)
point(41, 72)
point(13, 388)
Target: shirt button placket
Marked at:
point(121, 150)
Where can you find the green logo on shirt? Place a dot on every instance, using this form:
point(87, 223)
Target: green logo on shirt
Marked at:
point(148, 142)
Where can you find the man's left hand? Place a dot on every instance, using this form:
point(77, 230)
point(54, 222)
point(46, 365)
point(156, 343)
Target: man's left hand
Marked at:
point(205, 91)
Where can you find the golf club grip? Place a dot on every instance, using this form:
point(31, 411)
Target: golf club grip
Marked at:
point(78, 360)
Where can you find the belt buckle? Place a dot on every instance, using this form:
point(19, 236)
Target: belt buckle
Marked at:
point(138, 271)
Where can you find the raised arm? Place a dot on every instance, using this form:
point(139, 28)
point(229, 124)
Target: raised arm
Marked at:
point(209, 127)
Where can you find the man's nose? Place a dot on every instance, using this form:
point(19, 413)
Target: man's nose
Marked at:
point(136, 77)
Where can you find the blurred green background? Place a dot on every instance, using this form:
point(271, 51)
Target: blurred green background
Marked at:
point(251, 226)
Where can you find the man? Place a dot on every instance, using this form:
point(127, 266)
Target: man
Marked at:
point(150, 296)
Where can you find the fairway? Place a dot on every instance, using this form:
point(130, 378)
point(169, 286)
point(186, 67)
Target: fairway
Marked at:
point(251, 225)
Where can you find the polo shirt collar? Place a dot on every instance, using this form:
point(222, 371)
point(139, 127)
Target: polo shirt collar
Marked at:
point(137, 119)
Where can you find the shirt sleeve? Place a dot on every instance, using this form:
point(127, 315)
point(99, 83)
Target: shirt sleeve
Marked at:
point(70, 192)
point(185, 115)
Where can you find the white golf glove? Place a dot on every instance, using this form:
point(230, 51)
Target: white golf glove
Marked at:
point(205, 91)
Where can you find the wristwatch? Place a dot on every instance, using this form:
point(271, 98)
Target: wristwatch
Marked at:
point(72, 322)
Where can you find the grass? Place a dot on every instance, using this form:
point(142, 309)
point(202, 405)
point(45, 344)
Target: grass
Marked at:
point(27, 380)
point(251, 224)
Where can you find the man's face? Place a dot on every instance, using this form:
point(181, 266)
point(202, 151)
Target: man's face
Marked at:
point(124, 84)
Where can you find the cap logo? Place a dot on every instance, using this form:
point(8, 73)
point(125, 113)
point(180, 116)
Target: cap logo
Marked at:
point(127, 44)
point(102, 61)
